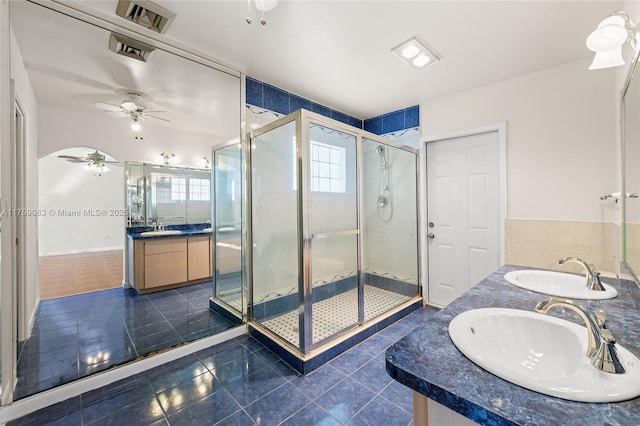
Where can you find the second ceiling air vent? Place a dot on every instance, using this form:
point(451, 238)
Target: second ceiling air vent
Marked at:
point(146, 14)
point(129, 47)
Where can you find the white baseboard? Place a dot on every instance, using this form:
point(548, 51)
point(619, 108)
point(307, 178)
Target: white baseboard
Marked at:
point(91, 250)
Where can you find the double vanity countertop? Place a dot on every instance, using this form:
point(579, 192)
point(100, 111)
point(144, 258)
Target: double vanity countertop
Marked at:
point(141, 232)
point(427, 361)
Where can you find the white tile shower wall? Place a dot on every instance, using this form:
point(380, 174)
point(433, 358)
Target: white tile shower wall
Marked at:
point(391, 247)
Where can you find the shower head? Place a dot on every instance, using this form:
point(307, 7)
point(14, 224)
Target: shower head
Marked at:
point(380, 151)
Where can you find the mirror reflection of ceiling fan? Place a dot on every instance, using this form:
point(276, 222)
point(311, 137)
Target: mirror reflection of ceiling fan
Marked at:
point(94, 162)
point(131, 108)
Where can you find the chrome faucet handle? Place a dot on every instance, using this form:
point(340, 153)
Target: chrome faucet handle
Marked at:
point(606, 357)
point(593, 276)
point(601, 316)
point(601, 348)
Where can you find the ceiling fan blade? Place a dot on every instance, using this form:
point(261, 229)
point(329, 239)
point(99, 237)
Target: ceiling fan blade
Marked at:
point(73, 159)
point(113, 163)
point(106, 106)
point(158, 118)
point(117, 114)
point(146, 111)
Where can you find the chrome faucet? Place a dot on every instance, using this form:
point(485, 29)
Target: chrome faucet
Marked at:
point(155, 226)
point(593, 276)
point(601, 348)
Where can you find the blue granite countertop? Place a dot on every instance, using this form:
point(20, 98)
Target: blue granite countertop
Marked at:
point(427, 361)
point(135, 233)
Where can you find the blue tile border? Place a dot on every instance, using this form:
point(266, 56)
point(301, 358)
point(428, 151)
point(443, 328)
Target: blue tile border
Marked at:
point(220, 309)
point(263, 95)
point(407, 118)
point(266, 96)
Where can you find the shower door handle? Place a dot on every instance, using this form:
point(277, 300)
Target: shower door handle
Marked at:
point(430, 236)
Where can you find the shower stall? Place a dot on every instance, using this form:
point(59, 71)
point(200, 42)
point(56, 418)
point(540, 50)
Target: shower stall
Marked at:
point(332, 250)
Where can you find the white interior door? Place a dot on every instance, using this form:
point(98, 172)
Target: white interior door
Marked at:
point(463, 213)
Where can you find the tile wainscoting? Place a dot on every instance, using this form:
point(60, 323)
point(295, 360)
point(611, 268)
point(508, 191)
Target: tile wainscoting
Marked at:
point(540, 243)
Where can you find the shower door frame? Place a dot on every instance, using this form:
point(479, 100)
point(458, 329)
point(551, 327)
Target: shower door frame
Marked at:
point(244, 262)
point(303, 145)
point(303, 119)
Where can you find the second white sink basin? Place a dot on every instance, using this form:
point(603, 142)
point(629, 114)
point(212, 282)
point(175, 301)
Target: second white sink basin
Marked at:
point(558, 284)
point(165, 232)
point(541, 353)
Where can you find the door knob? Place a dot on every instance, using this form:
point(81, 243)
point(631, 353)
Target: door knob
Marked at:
point(430, 236)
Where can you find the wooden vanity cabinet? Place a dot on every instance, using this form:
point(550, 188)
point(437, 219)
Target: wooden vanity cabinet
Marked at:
point(199, 259)
point(161, 263)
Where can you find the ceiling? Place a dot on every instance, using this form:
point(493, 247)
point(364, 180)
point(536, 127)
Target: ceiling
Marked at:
point(336, 53)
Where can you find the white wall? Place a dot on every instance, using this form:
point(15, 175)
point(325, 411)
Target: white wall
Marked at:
point(561, 138)
point(62, 129)
point(66, 189)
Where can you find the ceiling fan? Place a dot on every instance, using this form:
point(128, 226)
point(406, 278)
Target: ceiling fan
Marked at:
point(132, 108)
point(94, 162)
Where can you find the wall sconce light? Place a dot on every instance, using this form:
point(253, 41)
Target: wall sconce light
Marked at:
point(262, 6)
point(415, 54)
point(206, 163)
point(168, 158)
point(609, 37)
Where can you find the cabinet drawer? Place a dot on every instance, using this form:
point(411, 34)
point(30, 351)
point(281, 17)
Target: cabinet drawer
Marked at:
point(165, 245)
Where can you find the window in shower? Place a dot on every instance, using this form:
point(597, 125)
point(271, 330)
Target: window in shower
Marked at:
point(328, 168)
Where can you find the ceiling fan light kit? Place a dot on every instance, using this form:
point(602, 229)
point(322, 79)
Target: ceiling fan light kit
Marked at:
point(94, 162)
point(131, 108)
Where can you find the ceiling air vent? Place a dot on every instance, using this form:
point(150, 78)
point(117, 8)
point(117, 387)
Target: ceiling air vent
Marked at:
point(129, 47)
point(146, 14)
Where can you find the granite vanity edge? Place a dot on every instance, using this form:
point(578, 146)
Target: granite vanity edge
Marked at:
point(425, 359)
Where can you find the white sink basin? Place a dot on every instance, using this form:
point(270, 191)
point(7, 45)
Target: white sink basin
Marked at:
point(541, 353)
point(558, 284)
point(207, 230)
point(156, 233)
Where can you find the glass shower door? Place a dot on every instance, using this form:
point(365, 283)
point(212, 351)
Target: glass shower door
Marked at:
point(275, 250)
point(333, 224)
point(228, 166)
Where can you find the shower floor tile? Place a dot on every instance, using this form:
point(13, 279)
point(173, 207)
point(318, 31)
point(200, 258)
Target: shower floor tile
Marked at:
point(337, 313)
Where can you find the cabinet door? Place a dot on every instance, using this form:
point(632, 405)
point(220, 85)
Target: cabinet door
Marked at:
point(199, 257)
point(165, 262)
point(165, 268)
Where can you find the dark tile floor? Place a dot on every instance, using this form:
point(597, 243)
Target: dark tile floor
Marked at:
point(79, 335)
point(240, 382)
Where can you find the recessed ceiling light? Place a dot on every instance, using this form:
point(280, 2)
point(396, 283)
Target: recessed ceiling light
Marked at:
point(415, 54)
point(421, 60)
point(410, 51)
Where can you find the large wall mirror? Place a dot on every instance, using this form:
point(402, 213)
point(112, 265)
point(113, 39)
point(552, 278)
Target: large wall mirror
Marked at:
point(129, 107)
point(630, 111)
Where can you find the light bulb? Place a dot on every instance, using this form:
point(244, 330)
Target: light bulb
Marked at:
point(410, 51)
point(421, 60)
point(135, 126)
